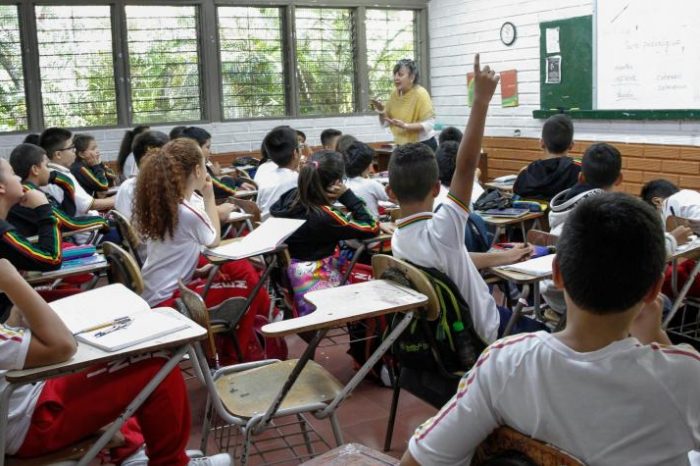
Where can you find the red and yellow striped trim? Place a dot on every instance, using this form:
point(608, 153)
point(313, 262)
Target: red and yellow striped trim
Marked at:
point(100, 184)
point(223, 186)
point(64, 182)
point(69, 223)
point(404, 222)
point(21, 244)
point(459, 202)
point(341, 219)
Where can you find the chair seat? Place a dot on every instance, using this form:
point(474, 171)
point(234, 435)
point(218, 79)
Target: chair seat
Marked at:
point(250, 393)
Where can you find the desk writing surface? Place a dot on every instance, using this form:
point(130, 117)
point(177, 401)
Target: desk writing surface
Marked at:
point(343, 304)
point(503, 221)
point(35, 278)
point(688, 251)
point(88, 355)
point(517, 277)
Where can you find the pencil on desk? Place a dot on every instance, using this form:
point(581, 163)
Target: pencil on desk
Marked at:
point(117, 321)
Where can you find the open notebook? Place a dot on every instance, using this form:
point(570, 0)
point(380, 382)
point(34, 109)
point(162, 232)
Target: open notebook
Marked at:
point(540, 267)
point(83, 312)
point(270, 234)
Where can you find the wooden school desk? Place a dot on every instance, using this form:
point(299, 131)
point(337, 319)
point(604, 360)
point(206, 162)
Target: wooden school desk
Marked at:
point(691, 252)
point(502, 222)
point(88, 356)
point(38, 278)
point(336, 307)
point(526, 281)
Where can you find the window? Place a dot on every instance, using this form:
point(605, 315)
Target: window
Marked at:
point(252, 73)
point(325, 72)
point(76, 67)
point(13, 106)
point(390, 37)
point(164, 63)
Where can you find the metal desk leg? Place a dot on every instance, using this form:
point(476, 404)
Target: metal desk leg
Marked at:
point(4, 413)
point(134, 405)
point(681, 296)
point(522, 300)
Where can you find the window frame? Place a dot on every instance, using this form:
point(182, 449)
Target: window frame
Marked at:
point(210, 66)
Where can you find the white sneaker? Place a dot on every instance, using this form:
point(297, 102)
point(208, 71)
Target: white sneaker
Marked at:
point(222, 459)
point(139, 458)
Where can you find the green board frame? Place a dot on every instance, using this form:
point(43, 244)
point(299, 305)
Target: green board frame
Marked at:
point(574, 94)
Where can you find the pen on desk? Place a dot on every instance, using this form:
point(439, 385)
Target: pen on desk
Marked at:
point(114, 328)
point(117, 321)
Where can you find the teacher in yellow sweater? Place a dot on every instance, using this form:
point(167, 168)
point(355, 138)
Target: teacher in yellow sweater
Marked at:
point(409, 112)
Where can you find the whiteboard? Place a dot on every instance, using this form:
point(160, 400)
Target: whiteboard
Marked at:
point(648, 54)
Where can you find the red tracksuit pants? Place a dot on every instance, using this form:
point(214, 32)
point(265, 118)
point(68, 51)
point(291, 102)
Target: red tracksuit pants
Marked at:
point(73, 407)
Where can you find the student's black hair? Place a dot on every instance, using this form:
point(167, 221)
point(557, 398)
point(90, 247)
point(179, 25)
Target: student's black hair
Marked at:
point(509, 458)
point(32, 138)
point(263, 153)
point(127, 142)
point(176, 132)
point(658, 188)
point(558, 133)
point(200, 135)
point(413, 171)
point(450, 134)
point(302, 134)
point(410, 65)
point(446, 156)
point(146, 141)
point(601, 165)
point(611, 252)
point(82, 142)
point(358, 157)
point(328, 134)
point(344, 142)
point(323, 168)
point(53, 139)
point(24, 157)
point(280, 144)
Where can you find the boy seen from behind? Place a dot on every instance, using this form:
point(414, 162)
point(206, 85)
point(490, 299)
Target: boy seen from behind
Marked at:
point(282, 146)
point(329, 138)
point(545, 178)
point(437, 240)
point(591, 389)
point(358, 165)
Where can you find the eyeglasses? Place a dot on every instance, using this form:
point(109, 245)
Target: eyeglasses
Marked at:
point(70, 148)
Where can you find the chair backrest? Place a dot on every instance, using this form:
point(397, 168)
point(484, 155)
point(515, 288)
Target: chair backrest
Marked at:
point(382, 262)
point(123, 267)
point(128, 233)
point(197, 310)
point(506, 439)
point(541, 238)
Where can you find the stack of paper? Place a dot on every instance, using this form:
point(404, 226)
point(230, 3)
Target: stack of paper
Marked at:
point(267, 237)
point(540, 267)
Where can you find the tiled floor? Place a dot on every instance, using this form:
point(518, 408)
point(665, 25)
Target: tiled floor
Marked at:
point(363, 416)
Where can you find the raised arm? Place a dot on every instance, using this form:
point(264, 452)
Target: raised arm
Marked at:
point(51, 341)
point(485, 82)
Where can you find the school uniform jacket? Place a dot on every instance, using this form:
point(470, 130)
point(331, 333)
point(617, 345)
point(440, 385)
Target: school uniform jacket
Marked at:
point(325, 226)
point(43, 256)
point(27, 222)
point(91, 178)
point(224, 186)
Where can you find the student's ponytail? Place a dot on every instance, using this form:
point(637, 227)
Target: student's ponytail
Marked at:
point(125, 147)
point(160, 187)
point(316, 175)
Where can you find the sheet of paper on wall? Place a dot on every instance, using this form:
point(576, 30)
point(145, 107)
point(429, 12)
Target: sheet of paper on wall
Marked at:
point(553, 72)
point(509, 88)
point(553, 40)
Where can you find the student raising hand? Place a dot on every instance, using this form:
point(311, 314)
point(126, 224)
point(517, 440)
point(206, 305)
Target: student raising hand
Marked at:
point(485, 82)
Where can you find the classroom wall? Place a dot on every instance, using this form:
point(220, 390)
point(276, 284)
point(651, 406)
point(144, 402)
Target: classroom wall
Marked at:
point(238, 136)
point(460, 28)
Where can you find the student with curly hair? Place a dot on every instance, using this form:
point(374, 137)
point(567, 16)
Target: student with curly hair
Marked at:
point(176, 230)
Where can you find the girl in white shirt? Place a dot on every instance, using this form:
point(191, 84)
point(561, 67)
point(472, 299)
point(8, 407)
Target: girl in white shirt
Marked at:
point(176, 231)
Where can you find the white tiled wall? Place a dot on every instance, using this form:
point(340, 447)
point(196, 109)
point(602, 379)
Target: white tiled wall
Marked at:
point(460, 28)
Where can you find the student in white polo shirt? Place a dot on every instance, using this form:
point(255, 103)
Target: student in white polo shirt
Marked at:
point(358, 162)
point(592, 390)
point(282, 146)
point(436, 240)
point(176, 230)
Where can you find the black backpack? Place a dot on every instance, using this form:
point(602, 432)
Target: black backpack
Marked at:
point(492, 199)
